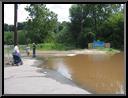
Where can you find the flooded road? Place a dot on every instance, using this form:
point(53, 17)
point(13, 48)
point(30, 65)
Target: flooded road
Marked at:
point(98, 73)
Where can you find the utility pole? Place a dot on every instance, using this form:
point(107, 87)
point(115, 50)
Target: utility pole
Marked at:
point(15, 24)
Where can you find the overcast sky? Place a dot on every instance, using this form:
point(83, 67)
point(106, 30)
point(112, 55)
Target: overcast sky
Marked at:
point(62, 10)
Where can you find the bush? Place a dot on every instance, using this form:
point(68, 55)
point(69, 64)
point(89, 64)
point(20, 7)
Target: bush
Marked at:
point(8, 37)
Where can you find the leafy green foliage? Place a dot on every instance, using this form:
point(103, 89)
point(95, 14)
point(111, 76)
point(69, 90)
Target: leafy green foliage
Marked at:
point(43, 21)
point(8, 37)
point(105, 21)
point(88, 22)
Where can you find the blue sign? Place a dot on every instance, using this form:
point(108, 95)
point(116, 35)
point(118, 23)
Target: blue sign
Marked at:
point(98, 44)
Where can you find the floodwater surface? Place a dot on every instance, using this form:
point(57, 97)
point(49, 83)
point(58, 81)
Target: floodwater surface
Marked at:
point(97, 73)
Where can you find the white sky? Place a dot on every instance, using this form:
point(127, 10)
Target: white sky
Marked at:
point(62, 10)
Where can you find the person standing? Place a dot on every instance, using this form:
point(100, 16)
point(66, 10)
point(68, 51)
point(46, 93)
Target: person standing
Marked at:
point(34, 50)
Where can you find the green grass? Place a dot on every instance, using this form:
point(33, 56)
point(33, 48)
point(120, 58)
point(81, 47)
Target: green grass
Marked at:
point(52, 46)
point(109, 50)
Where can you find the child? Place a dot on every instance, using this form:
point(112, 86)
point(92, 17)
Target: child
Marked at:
point(28, 50)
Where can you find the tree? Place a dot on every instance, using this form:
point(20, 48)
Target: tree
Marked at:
point(87, 18)
point(114, 31)
point(6, 27)
point(21, 25)
point(42, 22)
point(64, 35)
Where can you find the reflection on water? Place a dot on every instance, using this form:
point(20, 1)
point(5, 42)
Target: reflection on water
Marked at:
point(61, 67)
point(97, 73)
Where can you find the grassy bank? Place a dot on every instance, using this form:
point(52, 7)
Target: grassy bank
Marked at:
point(56, 46)
point(52, 46)
point(109, 50)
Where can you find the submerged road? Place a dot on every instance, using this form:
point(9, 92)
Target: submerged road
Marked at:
point(30, 79)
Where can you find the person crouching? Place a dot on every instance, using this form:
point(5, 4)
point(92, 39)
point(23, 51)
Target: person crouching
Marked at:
point(16, 56)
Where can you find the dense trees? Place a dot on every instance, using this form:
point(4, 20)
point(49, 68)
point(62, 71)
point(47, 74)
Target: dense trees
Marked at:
point(21, 26)
point(8, 27)
point(8, 33)
point(88, 22)
point(102, 20)
point(114, 31)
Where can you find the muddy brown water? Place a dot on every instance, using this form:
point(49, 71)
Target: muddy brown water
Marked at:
point(97, 73)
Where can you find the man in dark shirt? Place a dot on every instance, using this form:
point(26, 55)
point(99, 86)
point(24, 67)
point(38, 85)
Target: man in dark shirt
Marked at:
point(34, 50)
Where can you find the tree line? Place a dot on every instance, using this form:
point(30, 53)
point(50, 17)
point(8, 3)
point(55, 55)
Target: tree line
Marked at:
point(88, 22)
